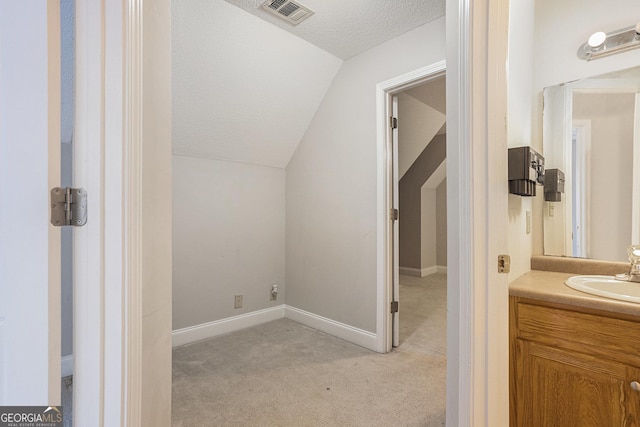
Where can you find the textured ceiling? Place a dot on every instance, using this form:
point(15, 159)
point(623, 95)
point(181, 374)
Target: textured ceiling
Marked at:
point(345, 28)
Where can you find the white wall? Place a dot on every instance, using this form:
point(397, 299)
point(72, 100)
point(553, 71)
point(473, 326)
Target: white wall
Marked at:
point(519, 126)
point(434, 204)
point(331, 185)
point(244, 92)
point(560, 29)
point(428, 228)
point(419, 124)
point(228, 238)
point(244, 89)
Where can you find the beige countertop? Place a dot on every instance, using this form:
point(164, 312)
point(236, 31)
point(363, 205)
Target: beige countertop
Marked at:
point(549, 286)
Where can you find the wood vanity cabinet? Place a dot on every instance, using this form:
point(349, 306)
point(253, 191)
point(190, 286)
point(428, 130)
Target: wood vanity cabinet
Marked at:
point(573, 366)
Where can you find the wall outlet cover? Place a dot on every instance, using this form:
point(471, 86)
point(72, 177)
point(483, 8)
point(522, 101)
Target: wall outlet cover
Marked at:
point(237, 303)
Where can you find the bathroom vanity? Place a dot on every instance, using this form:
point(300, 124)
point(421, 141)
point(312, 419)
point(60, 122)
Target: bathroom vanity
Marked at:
point(574, 357)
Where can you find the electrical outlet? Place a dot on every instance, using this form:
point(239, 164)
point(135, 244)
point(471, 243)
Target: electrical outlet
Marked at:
point(237, 303)
point(274, 293)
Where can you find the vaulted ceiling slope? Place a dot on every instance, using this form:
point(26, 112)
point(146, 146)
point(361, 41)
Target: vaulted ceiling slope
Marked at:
point(243, 89)
point(246, 85)
point(345, 28)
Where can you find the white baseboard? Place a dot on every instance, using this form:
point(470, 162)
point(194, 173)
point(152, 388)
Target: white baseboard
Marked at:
point(231, 324)
point(408, 271)
point(424, 272)
point(348, 333)
point(67, 365)
point(224, 326)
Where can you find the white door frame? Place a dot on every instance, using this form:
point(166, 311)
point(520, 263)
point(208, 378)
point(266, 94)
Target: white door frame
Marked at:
point(107, 251)
point(122, 271)
point(394, 151)
point(387, 188)
point(477, 211)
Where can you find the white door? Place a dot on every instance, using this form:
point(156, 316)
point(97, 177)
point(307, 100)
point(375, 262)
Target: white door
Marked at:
point(29, 168)
point(396, 229)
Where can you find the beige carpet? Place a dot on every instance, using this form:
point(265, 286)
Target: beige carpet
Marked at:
point(285, 374)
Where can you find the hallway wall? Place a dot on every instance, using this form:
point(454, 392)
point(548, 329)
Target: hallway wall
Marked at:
point(418, 207)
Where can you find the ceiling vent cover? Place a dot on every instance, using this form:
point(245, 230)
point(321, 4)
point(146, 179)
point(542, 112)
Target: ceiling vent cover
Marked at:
point(291, 11)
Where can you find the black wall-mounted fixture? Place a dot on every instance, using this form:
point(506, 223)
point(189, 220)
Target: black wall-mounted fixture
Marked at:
point(553, 185)
point(526, 170)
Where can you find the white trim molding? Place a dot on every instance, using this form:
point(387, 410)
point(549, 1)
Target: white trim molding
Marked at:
point(346, 332)
point(422, 272)
point(216, 328)
point(477, 303)
point(224, 326)
point(122, 106)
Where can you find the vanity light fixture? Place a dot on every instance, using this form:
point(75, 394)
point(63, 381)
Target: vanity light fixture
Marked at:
point(602, 44)
point(597, 39)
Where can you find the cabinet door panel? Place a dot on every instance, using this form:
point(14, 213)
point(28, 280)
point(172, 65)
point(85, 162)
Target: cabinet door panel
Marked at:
point(559, 389)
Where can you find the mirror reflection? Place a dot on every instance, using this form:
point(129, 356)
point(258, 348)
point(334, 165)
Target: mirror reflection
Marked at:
point(591, 132)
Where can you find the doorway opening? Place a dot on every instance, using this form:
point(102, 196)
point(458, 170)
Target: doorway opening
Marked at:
point(391, 173)
point(422, 221)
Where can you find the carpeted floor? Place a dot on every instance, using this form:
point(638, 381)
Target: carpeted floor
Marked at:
point(285, 374)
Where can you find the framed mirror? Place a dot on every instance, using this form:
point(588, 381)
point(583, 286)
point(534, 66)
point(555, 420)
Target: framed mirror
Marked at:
point(591, 132)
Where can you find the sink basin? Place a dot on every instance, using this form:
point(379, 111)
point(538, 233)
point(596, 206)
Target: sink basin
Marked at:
point(606, 286)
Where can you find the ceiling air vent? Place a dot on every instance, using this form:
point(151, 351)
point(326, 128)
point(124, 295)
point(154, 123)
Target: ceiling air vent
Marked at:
point(288, 10)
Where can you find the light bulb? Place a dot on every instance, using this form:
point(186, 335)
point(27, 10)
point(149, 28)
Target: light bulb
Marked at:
point(597, 39)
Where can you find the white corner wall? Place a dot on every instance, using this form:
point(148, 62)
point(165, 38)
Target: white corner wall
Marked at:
point(244, 93)
point(228, 238)
point(560, 28)
point(332, 186)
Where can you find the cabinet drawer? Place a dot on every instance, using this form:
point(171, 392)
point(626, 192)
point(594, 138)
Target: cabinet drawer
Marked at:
point(616, 339)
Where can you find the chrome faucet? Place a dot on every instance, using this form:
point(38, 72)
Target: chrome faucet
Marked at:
point(634, 270)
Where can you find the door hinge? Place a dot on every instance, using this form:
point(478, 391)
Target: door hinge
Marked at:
point(393, 122)
point(395, 214)
point(68, 206)
point(394, 306)
point(504, 263)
